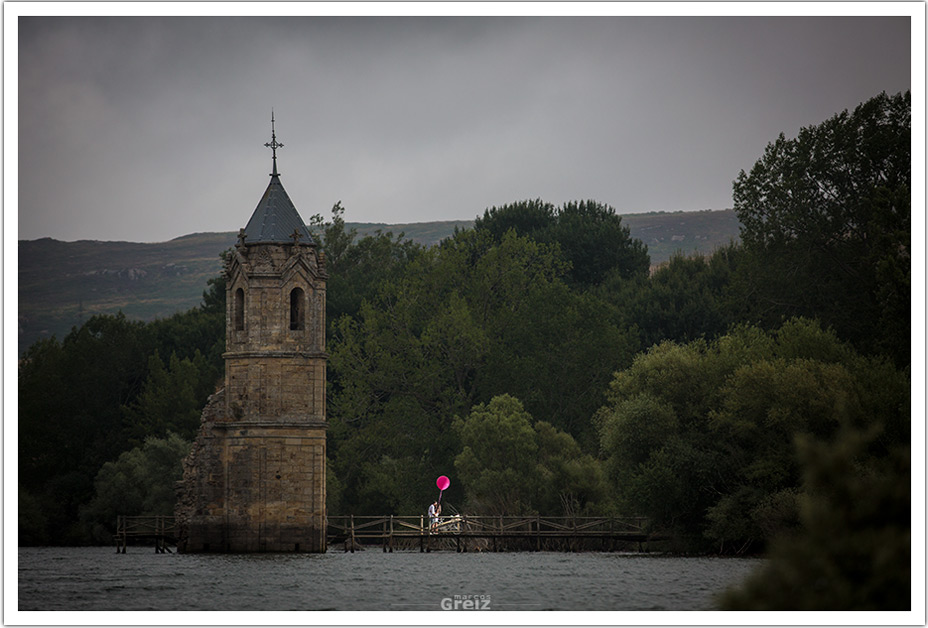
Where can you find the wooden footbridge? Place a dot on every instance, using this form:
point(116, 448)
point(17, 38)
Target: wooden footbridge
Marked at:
point(157, 529)
point(464, 533)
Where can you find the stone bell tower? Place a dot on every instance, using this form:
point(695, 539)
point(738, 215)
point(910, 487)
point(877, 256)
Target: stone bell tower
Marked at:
point(255, 480)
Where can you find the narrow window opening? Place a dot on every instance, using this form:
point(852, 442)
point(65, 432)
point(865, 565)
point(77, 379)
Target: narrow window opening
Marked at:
point(297, 309)
point(239, 310)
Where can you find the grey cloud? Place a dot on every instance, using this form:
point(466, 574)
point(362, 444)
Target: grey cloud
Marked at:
point(150, 128)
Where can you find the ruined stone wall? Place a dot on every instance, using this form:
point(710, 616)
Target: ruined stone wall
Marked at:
point(202, 486)
point(253, 487)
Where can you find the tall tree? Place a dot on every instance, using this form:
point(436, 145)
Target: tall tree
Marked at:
point(526, 218)
point(590, 236)
point(826, 220)
point(408, 364)
point(497, 462)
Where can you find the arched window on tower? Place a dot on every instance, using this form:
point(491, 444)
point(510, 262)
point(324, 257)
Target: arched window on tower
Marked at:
point(238, 310)
point(297, 309)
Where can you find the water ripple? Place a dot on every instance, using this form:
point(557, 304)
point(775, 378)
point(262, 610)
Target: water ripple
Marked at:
point(99, 579)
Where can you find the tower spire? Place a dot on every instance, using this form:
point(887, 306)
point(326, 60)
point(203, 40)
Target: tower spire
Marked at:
point(274, 145)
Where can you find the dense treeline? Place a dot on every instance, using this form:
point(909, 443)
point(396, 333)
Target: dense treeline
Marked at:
point(108, 387)
point(752, 400)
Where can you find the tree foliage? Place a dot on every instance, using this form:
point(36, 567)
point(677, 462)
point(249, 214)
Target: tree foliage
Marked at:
point(140, 482)
point(469, 320)
point(498, 457)
point(701, 436)
point(590, 236)
point(171, 398)
point(100, 392)
point(512, 465)
point(854, 548)
point(358, 266)
point(826, 220)
point(682, 300)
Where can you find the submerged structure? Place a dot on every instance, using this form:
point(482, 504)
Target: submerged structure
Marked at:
point(255, 478)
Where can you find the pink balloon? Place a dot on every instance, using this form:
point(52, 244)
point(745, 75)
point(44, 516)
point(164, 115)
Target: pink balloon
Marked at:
point(442, 482)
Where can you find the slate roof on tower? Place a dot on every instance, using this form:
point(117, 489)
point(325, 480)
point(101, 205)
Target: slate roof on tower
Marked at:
point(275, 218)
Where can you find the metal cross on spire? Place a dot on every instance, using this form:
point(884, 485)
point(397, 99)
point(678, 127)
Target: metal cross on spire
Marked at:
point(274, 144)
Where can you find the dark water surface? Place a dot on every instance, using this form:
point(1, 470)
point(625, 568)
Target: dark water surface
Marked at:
point(98, 579)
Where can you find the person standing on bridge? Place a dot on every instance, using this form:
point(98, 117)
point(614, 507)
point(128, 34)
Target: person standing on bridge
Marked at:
point(434, 511)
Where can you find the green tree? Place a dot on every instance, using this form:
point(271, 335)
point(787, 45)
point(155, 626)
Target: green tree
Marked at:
point(70, 395)
point(409, 363)
point(357, 267)
point(825, 220)
point(701, 437)
point(593, 238)
point(569, 481)
point(467, 320)
point(687, 298)
point(168, 401)
point(511, 465)
point(74, 396)
point(557, 356)
point(524, 217)
point(498, 458)
point(590, 236)
point(333, 236)
point(140, 482)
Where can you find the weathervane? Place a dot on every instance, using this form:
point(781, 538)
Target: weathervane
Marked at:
point(274, 144)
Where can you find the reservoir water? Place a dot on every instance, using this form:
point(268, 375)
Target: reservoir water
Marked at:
point(98, 579)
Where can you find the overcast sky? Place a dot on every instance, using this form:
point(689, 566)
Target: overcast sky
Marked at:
point(149, 128)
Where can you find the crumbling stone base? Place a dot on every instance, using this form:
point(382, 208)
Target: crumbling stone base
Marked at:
point(252, 486)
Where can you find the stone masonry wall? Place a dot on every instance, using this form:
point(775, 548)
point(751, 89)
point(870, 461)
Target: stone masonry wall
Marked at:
point(251, 487)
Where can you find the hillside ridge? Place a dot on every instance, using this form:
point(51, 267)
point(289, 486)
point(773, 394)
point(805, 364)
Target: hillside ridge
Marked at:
point(63, 283)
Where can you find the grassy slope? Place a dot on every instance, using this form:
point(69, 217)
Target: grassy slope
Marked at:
point(62, 284)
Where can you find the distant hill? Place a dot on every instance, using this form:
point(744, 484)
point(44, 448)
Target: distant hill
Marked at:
point(62, 284)
point(692, 232)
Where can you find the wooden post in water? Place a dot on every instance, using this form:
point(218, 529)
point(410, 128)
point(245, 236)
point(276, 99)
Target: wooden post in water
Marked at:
point(391, 534)
point(537, 533)
point(383, 539)
point(352, 534)
point(421, 533)
point(428, 538)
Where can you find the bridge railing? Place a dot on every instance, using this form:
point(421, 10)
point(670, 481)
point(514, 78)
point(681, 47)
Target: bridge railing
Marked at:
point(145, 525)
point(159, 528)
point(494, 533)
point(375, 526)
